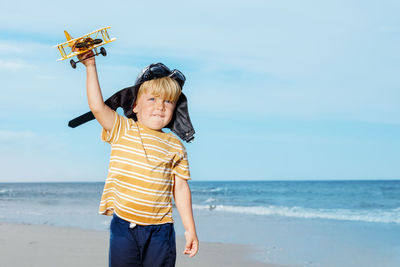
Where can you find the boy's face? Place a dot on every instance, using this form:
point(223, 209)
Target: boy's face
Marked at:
point(153, 112)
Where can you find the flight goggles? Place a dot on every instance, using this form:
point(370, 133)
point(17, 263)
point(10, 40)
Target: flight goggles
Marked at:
point(159, 70)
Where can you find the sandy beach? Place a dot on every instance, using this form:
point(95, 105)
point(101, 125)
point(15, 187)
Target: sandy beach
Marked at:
point(23, 245)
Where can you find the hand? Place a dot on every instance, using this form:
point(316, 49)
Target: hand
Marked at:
point(192, 244)
point(87, 58)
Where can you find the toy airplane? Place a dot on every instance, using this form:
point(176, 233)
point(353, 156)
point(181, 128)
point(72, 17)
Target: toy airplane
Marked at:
point(83, 44)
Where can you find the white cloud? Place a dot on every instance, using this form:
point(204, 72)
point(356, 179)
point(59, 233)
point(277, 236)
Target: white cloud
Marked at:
point(7, 135)
point(9, 48)
point(15, 64)
point(15, 47)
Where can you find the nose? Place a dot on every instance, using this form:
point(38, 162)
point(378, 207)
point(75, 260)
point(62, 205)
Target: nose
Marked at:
point(160, 104)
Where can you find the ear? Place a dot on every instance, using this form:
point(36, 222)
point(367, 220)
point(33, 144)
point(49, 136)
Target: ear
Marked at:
point(134, 109)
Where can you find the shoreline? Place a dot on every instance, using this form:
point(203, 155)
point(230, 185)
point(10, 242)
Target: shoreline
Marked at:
point(45, 245)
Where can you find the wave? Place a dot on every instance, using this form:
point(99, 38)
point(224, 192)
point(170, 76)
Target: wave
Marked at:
point(218, 189)
point(210, 200)
point(5, 191)
point(207, 190)
point(376, 216)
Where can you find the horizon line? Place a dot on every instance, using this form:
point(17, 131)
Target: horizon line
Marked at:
point(248, 180)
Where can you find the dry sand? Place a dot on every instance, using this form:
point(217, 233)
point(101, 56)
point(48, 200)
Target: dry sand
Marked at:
point(23, 245)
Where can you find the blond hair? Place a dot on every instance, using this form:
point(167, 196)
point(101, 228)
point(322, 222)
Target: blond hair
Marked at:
point(165, 87)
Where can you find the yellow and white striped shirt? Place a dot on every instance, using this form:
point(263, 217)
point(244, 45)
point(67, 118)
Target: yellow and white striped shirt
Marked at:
point(143, 166)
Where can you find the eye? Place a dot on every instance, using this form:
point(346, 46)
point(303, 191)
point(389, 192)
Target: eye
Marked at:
point(168, 101)
point(151, 99)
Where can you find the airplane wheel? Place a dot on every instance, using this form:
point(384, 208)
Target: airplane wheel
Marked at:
point(97, 41)
point(73, 64)
point(103, 51)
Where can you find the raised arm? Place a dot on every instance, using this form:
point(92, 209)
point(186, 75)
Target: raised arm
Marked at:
point(103, 113)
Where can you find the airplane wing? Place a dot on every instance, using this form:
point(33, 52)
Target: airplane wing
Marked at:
point(62, 46)
point(83, 36)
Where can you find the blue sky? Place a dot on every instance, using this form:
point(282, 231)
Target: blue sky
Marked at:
point(277, 89)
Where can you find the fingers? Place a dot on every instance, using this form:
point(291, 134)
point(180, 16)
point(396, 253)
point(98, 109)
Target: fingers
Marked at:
point(192, 243)
point(191, 249)
point(188, 247)
point(85, 55)
point(194, 250)
point(87, 58)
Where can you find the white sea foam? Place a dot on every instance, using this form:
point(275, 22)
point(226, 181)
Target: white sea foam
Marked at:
point(378, 216)
point(210, 200)
point(218, 189)
point(2, 191)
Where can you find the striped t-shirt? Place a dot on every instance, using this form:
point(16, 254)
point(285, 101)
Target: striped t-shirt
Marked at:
point(143, 166)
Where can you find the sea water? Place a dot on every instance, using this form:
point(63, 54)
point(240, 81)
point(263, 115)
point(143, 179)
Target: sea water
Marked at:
point(300, 223)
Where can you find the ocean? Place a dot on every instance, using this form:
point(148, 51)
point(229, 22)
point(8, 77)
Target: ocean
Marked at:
point(299, 223)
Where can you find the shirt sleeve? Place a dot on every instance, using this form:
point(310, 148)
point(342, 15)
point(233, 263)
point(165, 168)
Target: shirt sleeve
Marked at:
point(120, 127)
point(181, 167)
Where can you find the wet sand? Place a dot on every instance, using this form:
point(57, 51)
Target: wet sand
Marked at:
point(23, 245)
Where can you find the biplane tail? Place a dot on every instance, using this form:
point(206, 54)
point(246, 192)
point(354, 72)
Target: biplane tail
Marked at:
point(68, 37)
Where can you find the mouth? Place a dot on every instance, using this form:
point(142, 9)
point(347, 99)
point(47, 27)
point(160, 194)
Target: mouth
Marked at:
point(157, 115)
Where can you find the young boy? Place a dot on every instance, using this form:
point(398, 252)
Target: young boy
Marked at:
point(147, 167)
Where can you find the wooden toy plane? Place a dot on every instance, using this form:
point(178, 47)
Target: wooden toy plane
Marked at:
point(83, 44)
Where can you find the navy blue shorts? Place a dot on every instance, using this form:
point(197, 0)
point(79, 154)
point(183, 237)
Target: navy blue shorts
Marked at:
point(145, 246)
